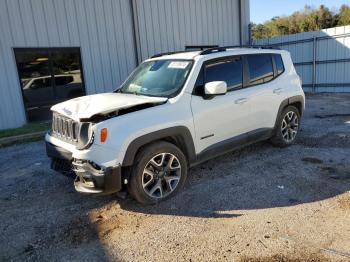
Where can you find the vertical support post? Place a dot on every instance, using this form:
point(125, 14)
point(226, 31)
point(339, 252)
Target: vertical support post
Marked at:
point(250, 41)
point(314, 47)
point(135, 31)
point(240, 22)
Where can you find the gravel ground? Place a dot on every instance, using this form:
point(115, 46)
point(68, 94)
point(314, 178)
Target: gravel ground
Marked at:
point(260, 203)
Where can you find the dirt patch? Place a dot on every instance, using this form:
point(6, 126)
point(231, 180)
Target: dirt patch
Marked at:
point(310, 257)
point(327, 141)
point(344, 202)
point(88, 228)
point(332, 115)
point(79, 231)
point(233, 208)
point(340, 172)
point(312, 160)
point(104, 226)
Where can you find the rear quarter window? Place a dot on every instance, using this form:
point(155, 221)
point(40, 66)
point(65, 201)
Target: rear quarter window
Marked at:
point(260, 69)
point(279, 64)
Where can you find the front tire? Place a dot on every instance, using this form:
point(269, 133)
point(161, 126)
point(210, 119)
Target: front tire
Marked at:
point(159, 172)
point(287, 127)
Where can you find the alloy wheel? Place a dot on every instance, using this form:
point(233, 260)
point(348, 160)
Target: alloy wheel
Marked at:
point(161, 175)
point(290, 125)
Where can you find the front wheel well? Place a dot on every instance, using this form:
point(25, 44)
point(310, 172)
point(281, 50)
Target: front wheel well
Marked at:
point(175, 140)
point(178, 136)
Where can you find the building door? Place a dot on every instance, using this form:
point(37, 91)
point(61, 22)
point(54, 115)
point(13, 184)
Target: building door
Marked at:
point(48, 76)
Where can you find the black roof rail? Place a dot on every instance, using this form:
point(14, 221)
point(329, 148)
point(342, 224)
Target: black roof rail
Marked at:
point(170, 53)
point(199, 47)
point(214, 49)
point(188, 48)
point(224, 48)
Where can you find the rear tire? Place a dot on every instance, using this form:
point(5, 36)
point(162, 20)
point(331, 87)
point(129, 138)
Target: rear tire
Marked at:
point(159, 172)
point(287, 127)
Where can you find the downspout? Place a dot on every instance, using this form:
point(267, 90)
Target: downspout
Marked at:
point(135, 31)
point(240, 22)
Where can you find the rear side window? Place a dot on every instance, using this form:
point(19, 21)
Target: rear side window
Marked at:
point(229, 71)
point(279, 64)
point(260, 68)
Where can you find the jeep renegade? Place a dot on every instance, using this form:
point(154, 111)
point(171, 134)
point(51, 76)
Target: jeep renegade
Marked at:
point(174, 111)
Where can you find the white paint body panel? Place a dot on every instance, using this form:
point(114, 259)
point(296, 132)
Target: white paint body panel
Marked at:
point(224, 116)
point(220, 118)
point(86, 106)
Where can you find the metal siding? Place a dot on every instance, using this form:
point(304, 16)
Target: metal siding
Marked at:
point(28, 23)
point(11, 104)
point(50, 18)
point(102, 30)
point(72, 23)
point(335, 47)
point(170, 25)
point(61, 20)
point(40, 22)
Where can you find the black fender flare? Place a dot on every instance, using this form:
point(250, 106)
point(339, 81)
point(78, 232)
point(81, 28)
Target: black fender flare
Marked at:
point(180, 134)
point(289, 101)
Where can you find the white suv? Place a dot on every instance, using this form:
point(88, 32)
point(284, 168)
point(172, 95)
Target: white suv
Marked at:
point(173, 112)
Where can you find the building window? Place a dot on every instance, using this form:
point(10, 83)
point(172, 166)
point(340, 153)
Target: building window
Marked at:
point(48, 76)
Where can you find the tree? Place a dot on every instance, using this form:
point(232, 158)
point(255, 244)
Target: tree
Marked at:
point(343, 17)
point(306, 20)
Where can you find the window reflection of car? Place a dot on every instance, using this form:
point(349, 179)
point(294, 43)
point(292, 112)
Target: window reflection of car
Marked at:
point(40, 91)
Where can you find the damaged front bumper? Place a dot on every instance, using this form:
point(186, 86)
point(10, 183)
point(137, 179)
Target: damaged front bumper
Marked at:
point(90, 178)
point(93, 179)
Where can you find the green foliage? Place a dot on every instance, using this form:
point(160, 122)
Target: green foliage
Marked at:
point(26, 129)
point(343, 17)
point(306, 20)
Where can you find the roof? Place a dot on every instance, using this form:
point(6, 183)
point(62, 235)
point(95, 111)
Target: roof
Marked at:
point(228, 51)
point(179, 55)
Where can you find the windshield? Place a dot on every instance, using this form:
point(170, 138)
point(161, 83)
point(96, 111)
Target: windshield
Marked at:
point(158, 78)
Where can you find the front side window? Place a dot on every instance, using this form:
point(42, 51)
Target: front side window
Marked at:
point(260, 68)
point(229, 71)
point(163, 78)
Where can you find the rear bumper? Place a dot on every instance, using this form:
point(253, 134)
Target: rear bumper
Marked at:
point(90, 178)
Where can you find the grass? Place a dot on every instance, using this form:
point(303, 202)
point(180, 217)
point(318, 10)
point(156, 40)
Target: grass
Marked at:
point(26, 129)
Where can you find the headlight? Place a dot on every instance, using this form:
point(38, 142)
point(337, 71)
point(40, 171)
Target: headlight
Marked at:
point(86, 135)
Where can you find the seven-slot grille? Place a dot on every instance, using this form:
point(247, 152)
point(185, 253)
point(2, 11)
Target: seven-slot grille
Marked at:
point(65, 128)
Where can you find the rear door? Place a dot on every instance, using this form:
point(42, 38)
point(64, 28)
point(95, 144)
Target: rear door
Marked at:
point(266, 91)
point(222, 117)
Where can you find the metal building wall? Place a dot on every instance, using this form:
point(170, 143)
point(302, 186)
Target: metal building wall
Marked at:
point(102, 30)
point(321, 58)
point(170, 25)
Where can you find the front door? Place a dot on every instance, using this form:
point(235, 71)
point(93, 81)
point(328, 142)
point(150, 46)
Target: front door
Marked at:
point(223, 117)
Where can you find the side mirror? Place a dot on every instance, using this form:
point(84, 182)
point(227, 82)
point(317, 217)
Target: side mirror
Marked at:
point(215, 88)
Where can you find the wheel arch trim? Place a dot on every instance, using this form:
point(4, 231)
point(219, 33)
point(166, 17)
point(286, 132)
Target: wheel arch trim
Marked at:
point(288, 101)
point(180, 134)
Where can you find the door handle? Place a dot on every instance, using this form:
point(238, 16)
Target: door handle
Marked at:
point(277, 91)
point(241, 101)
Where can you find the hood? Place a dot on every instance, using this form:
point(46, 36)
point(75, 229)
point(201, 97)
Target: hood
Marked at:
point(87, 106)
